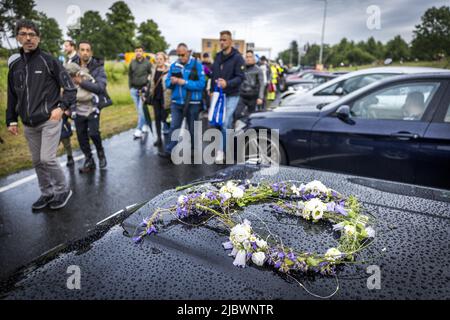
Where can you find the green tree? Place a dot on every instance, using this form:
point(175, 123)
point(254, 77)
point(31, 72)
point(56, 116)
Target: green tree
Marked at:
point(92, 29)
point(432, 36)
point(10, 12)
point(397, 49)
point(51, 34)
point(290, 56)
point(150, 37)
point(120, 29)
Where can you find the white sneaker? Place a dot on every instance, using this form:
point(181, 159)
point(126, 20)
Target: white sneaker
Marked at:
point(220, 156)
point(137, 134)
point(146, 128)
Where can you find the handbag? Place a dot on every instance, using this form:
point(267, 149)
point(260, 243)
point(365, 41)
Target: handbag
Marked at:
point(149, 97)
point(217, 111)
point(104, 100)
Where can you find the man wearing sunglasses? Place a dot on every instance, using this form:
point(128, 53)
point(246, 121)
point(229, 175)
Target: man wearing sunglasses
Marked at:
point(34, 93)
point(187, 80)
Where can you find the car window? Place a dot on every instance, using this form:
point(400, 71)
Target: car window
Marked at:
point(353, 83)
point(329, 91)
point(406, 101)
point(356, 83)
point(308, 76)
point(447, 115)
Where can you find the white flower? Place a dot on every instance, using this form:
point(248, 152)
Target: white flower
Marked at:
point(240, 232)
point(370, 232)
point(231, 190)
point(314, 207)
point(332, 254)
point(258, 258)
point(240, 259)
point(261, 243)
point(227, 245)
point(237, 192)
point(233, 253)
point(226, 196)
point(316, 186)
point(181, 199)
point(247, 245)
point(350, 230)
point(295, 190)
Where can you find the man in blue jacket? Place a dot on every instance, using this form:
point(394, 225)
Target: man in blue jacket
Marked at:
point(185, 75)
point(228, 73)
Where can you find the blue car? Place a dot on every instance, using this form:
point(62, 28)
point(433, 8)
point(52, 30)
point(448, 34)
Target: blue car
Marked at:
point(397, 129)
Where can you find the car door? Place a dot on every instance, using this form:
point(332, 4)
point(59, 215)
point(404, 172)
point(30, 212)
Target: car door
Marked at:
point(381, 138)
point(434, 160)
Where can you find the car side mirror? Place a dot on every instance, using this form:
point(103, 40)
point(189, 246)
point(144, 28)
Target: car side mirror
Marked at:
point(343, 113)
point(339, 91)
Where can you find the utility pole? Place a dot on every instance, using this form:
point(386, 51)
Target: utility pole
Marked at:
point(323, 32)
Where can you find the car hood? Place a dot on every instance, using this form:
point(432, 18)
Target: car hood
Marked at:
point(187, 262)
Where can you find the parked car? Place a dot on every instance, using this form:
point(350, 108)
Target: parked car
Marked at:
point(396, 129)
point(308, 83)
point(345, 84)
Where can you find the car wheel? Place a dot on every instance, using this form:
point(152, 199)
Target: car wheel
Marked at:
point(255, 153)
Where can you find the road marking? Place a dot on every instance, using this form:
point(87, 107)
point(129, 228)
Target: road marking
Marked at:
point(22, 181)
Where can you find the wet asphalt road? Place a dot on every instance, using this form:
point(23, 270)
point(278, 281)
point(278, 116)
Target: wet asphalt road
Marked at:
point(134, 174)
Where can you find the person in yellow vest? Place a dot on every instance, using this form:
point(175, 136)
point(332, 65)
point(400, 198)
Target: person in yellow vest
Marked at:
point(272, 92)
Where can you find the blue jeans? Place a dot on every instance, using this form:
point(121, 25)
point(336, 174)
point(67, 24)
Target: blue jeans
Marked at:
point(139, 108)
point(231, 104)
point(177, 119)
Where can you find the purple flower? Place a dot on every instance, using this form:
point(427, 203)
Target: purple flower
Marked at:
point(137, 239)
point(278, 265)
point(340, 209)
point(254, 246)
point(275, 187)
point(151, 230)
point(291, 256)
point(281, 255)
point(331, 206)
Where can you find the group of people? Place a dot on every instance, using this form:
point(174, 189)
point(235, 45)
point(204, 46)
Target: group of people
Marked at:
point(185, 87)
point(45, 94)
point(48, 95)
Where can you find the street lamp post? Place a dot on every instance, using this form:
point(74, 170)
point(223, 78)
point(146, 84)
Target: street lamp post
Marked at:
point(323, 32)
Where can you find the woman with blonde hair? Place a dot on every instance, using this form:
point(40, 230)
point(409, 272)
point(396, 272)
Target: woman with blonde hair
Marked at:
point(159, 95)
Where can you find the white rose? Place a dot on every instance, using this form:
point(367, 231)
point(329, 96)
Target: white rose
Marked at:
point(238, 192)
point(350, 230)
point(333, 254)
point(315, 207)
point(261, 243)
point(240, 233)
point(226, 196)
point(247, 245)
point(316, 186)
point(258, 258)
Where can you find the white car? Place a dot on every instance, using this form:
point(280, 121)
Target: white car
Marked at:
point(340, 86)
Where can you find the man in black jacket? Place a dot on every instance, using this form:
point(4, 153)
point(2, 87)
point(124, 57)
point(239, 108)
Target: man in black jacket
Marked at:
point(34, 93)
point(88, 123)
point(227, 73)
point(252, 89)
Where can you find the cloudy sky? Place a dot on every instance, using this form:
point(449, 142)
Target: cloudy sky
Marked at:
point(267, 23)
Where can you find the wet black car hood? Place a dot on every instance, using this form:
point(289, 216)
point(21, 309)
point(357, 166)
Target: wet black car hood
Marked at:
point(185, 262)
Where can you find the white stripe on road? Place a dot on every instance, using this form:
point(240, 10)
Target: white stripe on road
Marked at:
point(22, 181)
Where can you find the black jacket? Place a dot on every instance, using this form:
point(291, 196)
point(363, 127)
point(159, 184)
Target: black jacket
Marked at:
point(231, 69)
point(96, 69)
point(253, 86)
point(34, 88)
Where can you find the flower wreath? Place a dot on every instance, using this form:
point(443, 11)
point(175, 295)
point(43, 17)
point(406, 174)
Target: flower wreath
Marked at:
point(312, 201)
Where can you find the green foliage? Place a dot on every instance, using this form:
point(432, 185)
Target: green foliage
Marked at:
point(150, 37)
point(51, 34)
point(397, 49)
point(432, 36)
point(120, 29)
point(92, 29)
